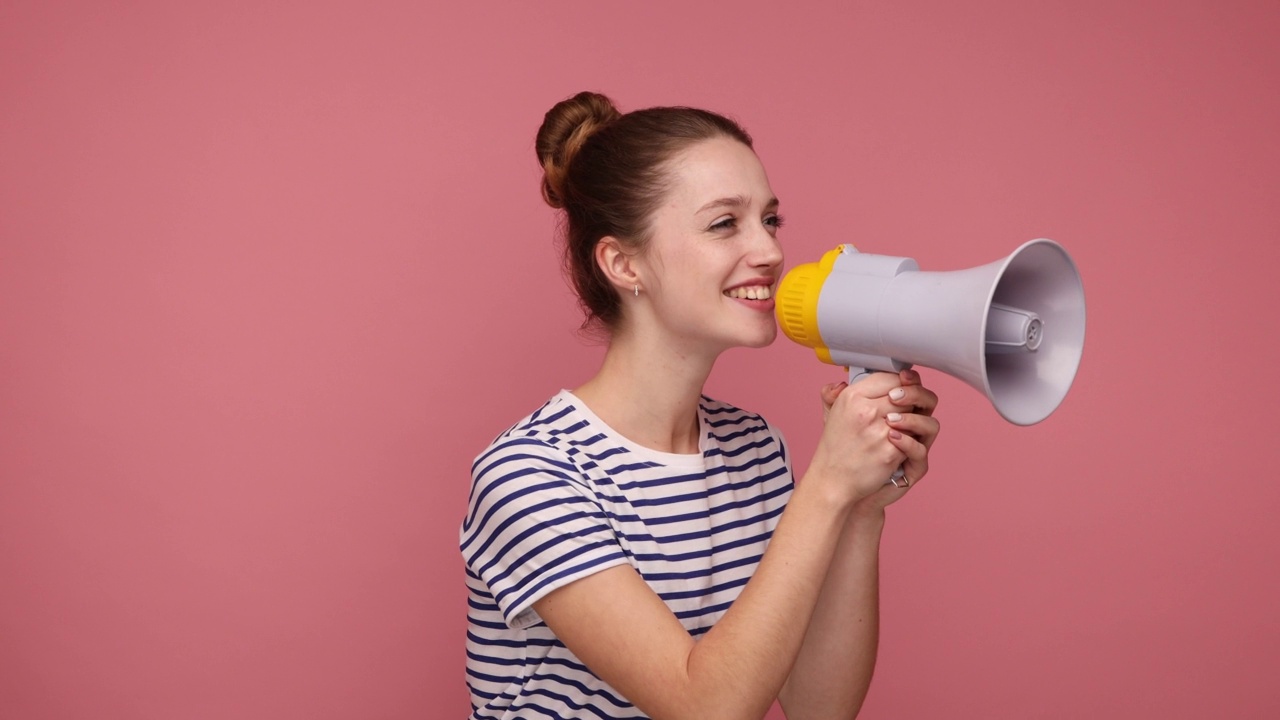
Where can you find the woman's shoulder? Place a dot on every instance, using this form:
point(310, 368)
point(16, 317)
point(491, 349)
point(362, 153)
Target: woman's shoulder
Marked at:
point(719, 413)
point(728, 423)
point(546, 431)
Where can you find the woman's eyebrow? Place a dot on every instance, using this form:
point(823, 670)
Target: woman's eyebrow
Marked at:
point(735, 201)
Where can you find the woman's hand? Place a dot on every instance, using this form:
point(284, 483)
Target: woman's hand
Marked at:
point(907, 409)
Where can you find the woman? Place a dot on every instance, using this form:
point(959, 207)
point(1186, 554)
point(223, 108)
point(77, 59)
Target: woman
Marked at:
point(634, 548)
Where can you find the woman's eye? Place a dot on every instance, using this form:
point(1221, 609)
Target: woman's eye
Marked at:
point(725, 224)
point(774, 221)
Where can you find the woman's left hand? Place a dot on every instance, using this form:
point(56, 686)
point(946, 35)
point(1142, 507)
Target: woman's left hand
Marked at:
point(914, 431)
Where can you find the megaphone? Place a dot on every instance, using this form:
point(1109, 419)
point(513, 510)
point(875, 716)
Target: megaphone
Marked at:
point(1012, 329)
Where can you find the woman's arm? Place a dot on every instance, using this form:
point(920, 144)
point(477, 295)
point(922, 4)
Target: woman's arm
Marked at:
point(833, 672)
point(616, 625)
point(628, 637)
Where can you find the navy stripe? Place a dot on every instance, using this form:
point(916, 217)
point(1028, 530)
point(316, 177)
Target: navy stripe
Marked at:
point(522, 598)
point(699, 612)
point(714, 530)
point(505, 444)
point(569, 429)
point(739, 433)
point(608, 453)
point(547, 545)
point(588, 442)
point(567, 663)
point(709, 572)
point(730, 421)
point(742, 448)
point(707, 475)
point(673, 558)
point(496, 642)
point(722, 410)
point(567, 472)
point(548, 420)
point(492, 535)
point(703, 592)
point(528, 641)
point(781, 489)
point(491, 660)
point(483, 620)
point(538, 458)
point(706, 493)
point(515, 497)
point(615, 700)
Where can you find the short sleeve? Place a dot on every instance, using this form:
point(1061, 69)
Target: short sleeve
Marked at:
point(533, 525)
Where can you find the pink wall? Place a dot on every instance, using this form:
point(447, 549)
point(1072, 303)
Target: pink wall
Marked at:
point(269, 279)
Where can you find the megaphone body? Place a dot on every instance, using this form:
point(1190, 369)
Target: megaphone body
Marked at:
point(1012, 329)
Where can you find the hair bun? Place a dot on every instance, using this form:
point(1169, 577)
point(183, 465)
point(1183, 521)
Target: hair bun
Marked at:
point(565, 128)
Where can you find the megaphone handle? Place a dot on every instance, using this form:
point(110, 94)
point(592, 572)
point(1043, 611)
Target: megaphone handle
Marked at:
point(856, 374)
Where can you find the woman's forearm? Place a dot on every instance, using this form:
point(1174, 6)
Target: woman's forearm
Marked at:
point(752, 648)
point(833, 669)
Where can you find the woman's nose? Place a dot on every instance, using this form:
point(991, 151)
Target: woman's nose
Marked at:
point(767, 251)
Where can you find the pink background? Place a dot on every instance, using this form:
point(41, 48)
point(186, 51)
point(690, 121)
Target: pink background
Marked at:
point(271, 274)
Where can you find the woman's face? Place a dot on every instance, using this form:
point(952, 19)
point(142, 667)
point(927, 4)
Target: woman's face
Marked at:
point(713, 258)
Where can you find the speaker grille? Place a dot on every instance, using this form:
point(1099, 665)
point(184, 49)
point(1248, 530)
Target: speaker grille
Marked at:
point(797, 304)
point(791, 311)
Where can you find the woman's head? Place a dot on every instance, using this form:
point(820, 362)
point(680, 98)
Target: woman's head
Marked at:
point(609, 172)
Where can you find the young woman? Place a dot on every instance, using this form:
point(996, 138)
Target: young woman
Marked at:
point(634, 548)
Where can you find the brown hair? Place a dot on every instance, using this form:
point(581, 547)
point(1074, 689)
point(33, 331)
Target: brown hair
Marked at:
point(607, 171)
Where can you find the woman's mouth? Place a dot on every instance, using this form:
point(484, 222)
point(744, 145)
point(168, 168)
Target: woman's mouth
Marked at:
point(750, 292)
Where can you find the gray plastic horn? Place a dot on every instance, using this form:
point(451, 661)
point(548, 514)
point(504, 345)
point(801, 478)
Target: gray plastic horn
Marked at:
point(1013, 329)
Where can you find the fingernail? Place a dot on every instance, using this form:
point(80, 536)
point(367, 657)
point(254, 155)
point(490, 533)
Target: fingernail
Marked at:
point(894, 417)
point(897, 393)
point(895, 434)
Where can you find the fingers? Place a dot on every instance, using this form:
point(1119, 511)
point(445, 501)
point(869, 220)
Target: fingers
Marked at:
point(917, 463)
point(855, 440)
point(831, 392)
point(913, 432)
point(875, 384)
point(877, 424)
point(921, 427)
point(912, 395)
point(903, 388)
point(886, 394)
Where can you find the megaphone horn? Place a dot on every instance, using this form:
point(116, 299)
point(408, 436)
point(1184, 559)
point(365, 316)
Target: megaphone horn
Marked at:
point(1012, 329)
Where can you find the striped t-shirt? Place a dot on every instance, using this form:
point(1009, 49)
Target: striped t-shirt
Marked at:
point(561, 496)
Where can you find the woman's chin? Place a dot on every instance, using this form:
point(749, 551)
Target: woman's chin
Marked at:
point(764, 339)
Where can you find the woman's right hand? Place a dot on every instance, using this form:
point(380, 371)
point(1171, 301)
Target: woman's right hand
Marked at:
point(855, 456)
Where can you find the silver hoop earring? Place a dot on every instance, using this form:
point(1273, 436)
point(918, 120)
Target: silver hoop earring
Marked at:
point(636, 288)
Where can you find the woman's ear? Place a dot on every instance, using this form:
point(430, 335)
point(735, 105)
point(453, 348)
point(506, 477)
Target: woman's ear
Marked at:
point(619, 266)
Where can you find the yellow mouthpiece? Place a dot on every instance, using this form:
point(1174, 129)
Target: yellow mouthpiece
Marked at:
point(797, 303)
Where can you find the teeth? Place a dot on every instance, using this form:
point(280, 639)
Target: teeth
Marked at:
point(751, 292)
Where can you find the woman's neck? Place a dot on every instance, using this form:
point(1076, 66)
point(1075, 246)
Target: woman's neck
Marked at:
point(649, 391)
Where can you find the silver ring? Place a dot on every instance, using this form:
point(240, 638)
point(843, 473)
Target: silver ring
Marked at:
point(893, 480)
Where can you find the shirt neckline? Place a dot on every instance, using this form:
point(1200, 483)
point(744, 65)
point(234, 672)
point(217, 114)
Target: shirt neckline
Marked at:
point(697, 459)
